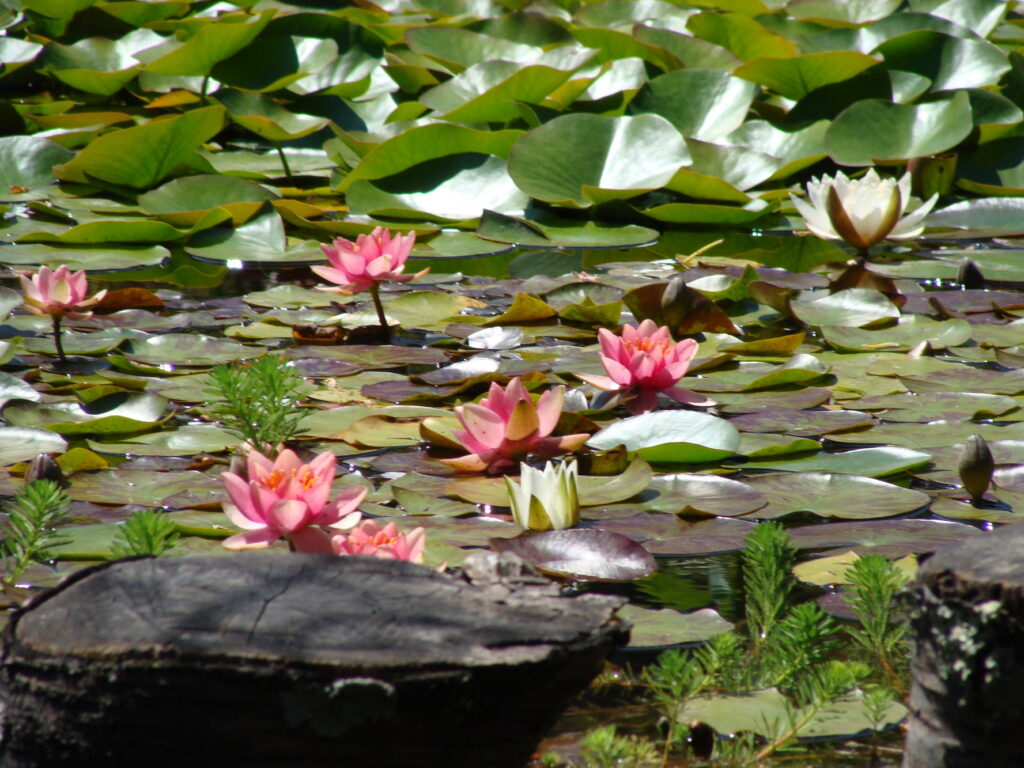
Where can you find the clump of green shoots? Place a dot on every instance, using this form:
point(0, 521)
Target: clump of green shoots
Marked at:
point(30, 530)
point(874, 582)
point(258, 401)
point(604, 747)
point(146, 532)
point(787, 647)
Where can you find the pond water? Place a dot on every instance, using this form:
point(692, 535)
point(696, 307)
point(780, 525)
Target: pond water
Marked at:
point(845, 408)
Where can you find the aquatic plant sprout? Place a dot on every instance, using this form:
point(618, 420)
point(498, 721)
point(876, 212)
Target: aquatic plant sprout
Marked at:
point(59, 293)
point(863, 211)
point(387, 542)
point(545, 499)
point(287, 498)
point(506, 426)
point(644, 362)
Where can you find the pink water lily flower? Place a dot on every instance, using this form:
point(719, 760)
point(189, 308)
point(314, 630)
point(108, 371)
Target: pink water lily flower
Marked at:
point(288, 498)
point(369, 538)
point(59, 293)
point(370, 260)
point(507, 425)
point(642, 362)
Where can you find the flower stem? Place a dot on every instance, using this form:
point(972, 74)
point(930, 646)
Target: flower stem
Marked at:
point(385, 328)
point(56, 339)
point(284, 160)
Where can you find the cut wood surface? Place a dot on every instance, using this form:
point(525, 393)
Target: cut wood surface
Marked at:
point(279, 659)
point(967, 615)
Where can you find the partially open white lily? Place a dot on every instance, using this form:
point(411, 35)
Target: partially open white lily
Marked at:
point(862, 211)
point(545, 499)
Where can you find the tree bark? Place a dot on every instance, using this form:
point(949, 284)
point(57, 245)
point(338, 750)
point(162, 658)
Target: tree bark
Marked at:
point(281, 659)
point(967, 616)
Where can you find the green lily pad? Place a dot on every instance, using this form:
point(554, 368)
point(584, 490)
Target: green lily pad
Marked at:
point(188, 349)
point(870, 462)
point(213, 41)
point(554, 233)
point(847, 497)
point(146, 488)
point(851, 307)
point(764, 711)
point(665, 626)
point(906, 334)
point(459, 187)
point(95, 258)
point(671, 437)
point(261, 240)
point(140, 156)
point(27, 162)
point(796, 76)
point(111, 415)
point(701, 103)
point(187, 440)
point(578, 159)
point(901, 131)
point(25, 443)
point(267, 118)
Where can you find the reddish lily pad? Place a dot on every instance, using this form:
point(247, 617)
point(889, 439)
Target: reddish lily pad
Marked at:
point(801, 423)
point(663, 534)
point(849, 497)
point(689, 495)
point(581, 554)
point(890, 538)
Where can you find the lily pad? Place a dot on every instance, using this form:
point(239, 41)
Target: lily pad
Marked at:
point(654, 628)
point(829, 495)
point(671, 437)
point(581, 554)
point(890, 538)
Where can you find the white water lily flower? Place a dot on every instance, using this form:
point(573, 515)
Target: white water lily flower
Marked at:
point(862, 211)
point(545, 499)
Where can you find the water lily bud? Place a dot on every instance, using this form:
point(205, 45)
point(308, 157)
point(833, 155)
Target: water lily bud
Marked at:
point(43, 467)
point(976, 467)
point(677, 302)
point(969, 275)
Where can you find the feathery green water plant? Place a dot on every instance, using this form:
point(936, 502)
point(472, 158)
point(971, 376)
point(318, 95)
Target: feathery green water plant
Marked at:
point(258, 401)
point(146, 532)
point(30, 530)
point(874, 584)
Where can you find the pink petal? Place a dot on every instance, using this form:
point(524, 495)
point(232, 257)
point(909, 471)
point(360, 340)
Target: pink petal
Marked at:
point(239, 519)
point(601, 382)
point(288, 515)
point(681, 395)
point(241, 497)
point(485, 426)
point(312, 540)
point(619, 373)
point(339, 513)
point(471, 463)
point(252, 539)
point(549, 409)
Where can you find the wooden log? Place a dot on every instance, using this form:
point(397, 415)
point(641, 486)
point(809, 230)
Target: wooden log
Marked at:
point(967, 617)
point(281, 659)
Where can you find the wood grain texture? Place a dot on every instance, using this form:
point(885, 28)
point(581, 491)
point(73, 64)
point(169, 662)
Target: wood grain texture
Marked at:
point(967, 615)
point(278, 659)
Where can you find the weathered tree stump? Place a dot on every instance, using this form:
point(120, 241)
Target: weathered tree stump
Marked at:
point(967, 615)
point(276, 659)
